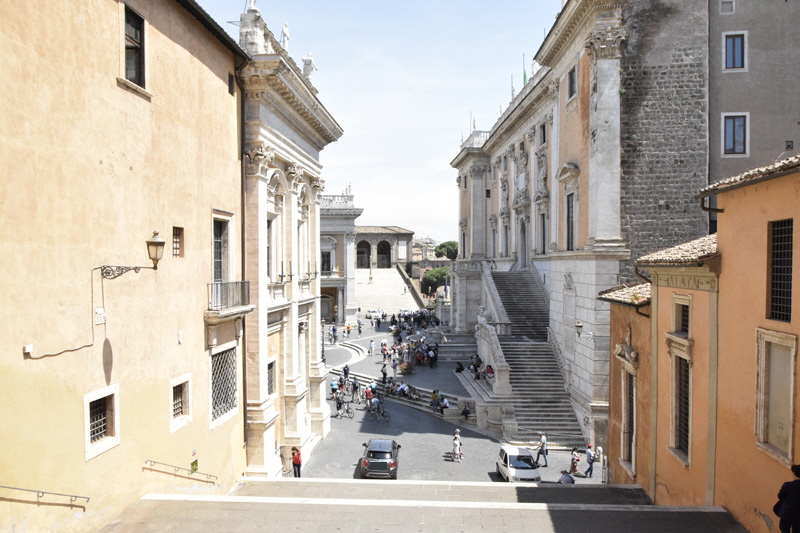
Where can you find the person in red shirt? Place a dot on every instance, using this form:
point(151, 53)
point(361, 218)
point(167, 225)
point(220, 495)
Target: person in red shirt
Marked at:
point(296, 461)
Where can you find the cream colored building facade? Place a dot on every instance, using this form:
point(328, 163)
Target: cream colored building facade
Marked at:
point(124, 118)
point(337, 257)
point(286, 127)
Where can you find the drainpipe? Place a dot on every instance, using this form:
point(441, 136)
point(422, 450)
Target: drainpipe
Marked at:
point(709, 209)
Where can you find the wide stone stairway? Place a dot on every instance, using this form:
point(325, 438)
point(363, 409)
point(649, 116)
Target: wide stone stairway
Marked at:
point(378, 505)
point(541, 402)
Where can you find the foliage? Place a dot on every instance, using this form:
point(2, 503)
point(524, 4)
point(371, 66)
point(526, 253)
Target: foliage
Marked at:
point(447, 249)
point(433, 279)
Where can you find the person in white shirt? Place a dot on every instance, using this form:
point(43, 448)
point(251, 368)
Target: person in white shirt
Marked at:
point(542, 449)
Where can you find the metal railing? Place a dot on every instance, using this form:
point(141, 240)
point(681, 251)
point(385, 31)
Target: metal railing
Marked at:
point(177, 469)
point(228, 294)
point(40, 494)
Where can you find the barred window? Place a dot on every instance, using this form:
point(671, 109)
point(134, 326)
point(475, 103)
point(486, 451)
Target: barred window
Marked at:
point(180, 405)
point(683, 319)
point(223, 383)
point(99, 425)
point(682, 384)
point(628, 416)
point(780, 273)
point(571, 221)
point(177, 241)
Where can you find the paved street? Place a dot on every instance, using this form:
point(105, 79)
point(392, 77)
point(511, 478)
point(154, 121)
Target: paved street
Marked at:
point(426, 440)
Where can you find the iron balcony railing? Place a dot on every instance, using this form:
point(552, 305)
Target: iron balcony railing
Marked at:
point(228, 294)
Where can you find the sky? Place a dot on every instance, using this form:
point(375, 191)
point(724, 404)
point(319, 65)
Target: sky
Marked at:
point(403, 80)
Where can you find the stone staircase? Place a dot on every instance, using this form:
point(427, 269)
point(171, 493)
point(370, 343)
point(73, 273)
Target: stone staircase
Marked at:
point(525, 305)
point(540, 399)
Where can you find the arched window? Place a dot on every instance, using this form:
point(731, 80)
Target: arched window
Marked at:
point(363, 255)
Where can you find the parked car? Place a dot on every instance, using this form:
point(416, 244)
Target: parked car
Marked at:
point(381, 458)
point(375, 313)
point(517, 464)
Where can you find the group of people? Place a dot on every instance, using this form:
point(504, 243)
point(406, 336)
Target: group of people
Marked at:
point(439, 402)
point(477, 369)
point(575, 457)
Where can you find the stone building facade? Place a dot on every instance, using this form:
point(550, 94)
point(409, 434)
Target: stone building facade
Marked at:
point(119, 379)
point(338, 214)
point(597, 160)
point(286, 126)
point(382, 246)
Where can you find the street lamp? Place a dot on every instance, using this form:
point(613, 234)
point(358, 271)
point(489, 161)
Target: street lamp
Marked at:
point(155, 250)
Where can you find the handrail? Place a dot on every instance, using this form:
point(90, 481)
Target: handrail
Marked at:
point(539, 283)
point(492, 296)
point(176, 468)
point(41, 493)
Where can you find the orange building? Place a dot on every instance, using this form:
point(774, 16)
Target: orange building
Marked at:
point(710, 418)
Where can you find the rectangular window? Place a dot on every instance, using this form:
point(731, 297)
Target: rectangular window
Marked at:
point(571, 221)
point(101, 420)
point(780, 270)
point(505, 163)
point(271, 378)
point(734, 51)
point(177, 242)
point(231, 84)
point(572, 83)
point(682, 413)
point(180, 404)
point(543, 233)
point(542, 134)
point(775, 397)
point(488, 193)
point(134, 47)
point(326, 262)
point(735, 134)
point(269, 248)
point(223, 383)
point(628, 416)
point(220, 250)
point(682, 320)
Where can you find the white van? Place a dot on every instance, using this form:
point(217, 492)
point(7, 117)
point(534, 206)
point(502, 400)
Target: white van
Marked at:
point(517, 464)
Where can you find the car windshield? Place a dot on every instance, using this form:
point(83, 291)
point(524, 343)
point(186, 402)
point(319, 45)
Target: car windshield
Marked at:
point(521, 462)
point(379, 455)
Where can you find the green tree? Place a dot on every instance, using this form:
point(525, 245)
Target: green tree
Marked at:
point(448, 249)
point(433, 279)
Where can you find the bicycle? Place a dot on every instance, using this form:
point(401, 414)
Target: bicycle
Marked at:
point(345, 409)
point(379, 412)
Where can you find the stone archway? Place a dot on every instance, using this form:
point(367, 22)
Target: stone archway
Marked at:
point(363, 254)
point(384, 255)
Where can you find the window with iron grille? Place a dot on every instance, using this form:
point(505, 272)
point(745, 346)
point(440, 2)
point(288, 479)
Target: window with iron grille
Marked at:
point(177, 241)
point(100, 419)
point(134, 47)
point(543, 233)
point(571, 221)
point(180, 401)
point(271, 378)
point(780, 270)
point(223, 382)
point(682, 421)
point(682, 319)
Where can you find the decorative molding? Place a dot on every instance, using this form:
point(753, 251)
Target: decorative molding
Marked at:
point(626, 352)
point(258, 157)
point(462, 223)
point(605, 44)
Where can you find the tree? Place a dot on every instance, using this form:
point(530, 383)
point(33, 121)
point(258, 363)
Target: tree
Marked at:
point(433, 279)
point(448, 249)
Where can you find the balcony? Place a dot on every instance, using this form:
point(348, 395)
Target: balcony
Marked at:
point(228, 301)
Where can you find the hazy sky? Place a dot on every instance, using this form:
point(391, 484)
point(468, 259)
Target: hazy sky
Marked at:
point(403, 79)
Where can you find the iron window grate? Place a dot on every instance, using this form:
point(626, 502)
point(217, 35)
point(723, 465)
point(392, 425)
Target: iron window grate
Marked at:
point(178, 400)
point(271, 378)
point(682, 401)
point(630, 401)
point(683, 325)
point(98, 419)
point(223, 383)
point(781, 270)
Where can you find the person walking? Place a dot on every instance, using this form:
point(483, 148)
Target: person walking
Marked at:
point(346, 372)
point(383, 373)
point(542, 449)
point(297, 461)
point(371, 347)
point(789, 504)
point(573, 463)
point(456, 449)
point(394, 368)
point(589, 461)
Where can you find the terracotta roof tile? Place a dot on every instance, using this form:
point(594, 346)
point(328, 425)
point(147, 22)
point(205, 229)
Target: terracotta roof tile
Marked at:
point(756, 174)
point(383, 229)
point(636, 295)
point(683, 254)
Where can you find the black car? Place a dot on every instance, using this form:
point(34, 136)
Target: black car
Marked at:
point(380, 459)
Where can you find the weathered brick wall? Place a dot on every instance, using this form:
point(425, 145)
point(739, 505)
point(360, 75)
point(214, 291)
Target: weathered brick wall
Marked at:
point(664, 124)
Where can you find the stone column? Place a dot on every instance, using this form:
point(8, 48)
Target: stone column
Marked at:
point(349, 262)
point(604, 144)
point(477, 227)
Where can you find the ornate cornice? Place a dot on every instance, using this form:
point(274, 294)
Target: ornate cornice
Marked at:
point(477, 172)
point(604, 44)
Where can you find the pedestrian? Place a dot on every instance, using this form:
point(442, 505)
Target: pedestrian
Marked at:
point(443, 404)
point(394, 368)
point(456, 449)
point(348, 331)
point(542, 449)
point(589, 461)
point(566, 479)
point(346, 372)
point(465, 412)
point(573, 462)
point(371, 347)
point(297, 461)
point(788, 506)
point(383, 372)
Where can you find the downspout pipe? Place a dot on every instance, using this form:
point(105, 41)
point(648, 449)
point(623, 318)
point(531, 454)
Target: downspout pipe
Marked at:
point(243, 186)
point(707, 208)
